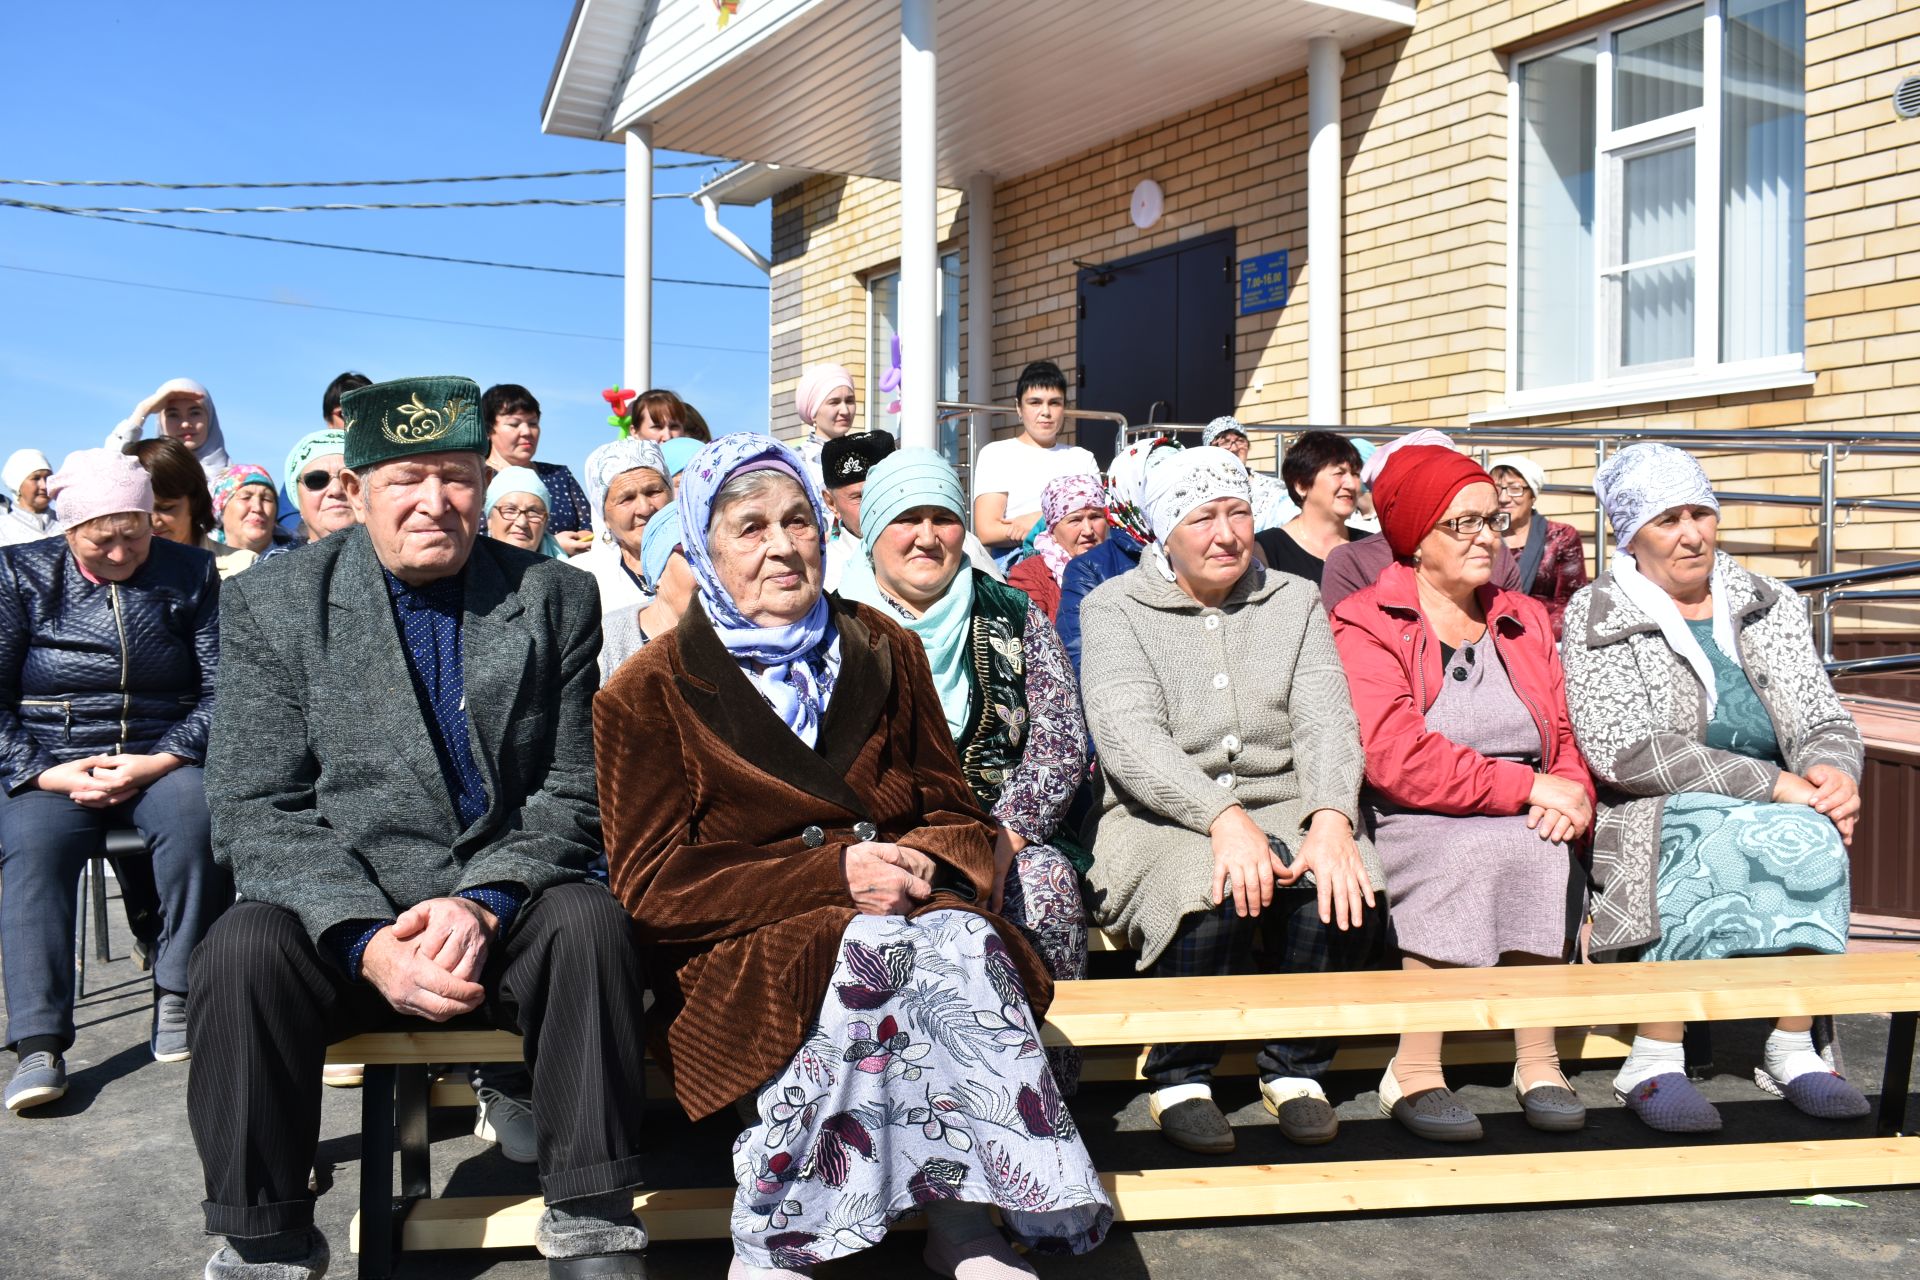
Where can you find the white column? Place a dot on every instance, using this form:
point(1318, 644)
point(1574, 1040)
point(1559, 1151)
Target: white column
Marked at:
point(636, 369)
point(1325, 372)
point(919, 228)
point(979, 308)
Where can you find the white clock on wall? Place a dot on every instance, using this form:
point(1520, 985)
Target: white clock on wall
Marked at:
point(1147, 203)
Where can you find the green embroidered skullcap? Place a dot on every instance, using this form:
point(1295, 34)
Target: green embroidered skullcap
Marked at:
point(397, 419)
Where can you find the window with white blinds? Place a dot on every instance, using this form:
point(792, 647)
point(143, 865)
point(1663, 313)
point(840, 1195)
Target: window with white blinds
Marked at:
point(1659, 191)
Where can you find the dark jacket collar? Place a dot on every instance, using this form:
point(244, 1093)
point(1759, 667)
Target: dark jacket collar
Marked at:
point(719, 692)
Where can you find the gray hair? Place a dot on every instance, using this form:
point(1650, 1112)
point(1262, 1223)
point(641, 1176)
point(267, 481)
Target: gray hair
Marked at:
point(750, 484)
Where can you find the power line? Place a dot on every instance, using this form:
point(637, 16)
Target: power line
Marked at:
point(352, 311)
point(336, 208)
point(385, 253)
point(365, 182)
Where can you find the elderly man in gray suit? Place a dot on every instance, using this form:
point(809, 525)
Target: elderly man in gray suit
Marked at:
point(411, 832)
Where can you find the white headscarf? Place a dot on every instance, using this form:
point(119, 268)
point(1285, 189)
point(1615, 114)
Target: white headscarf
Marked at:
point(22, 463)
point(1188, 479)
point(1524, 467)
point(612, 460)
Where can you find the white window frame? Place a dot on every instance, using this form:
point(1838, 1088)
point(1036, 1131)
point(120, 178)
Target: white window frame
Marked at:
point(1705, 374)
point(876, 415)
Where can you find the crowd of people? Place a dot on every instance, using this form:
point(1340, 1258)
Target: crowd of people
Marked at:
point(773, 734)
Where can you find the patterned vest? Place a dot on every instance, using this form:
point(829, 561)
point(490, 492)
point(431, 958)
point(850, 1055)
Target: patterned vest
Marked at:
point(997, 731)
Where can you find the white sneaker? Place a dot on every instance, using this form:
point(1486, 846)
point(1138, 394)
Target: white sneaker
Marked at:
point(508, 1121)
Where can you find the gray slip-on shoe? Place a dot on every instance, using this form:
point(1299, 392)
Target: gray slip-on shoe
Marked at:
point(169, 1041)
point(290, 1255)
point(39, 1079)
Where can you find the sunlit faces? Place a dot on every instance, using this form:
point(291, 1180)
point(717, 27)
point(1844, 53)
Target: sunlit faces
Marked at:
point(918, 554)
point(322, 496)
point(515, 437)
point(649, 427)
point(1516, 496)
point(1451, 555)
point(422, 512)
point(1079, 532)
point(1234, 443)
point(184, 418)
point(844, 503)
point(834, 417)
point(248, 519)
point(632, 499)
point(33, 492)
point(112, 548)
point(1335, 489)
point(1675, 550)
point(1212, 547)
point(1043, 411)
point(519, 518)
point(765, 547)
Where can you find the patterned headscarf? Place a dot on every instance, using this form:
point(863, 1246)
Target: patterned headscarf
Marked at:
point(1126, 482)
point(793, 666)
point(1219, 427)
point(228, 483)
point(1063, 496)
point(1643, 480)
point(612, 460)
point(1192, 478)
point(525, 480)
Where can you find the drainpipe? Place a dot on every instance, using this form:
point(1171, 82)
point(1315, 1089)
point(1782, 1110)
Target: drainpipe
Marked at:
point(637, 303)
point(919, 226)
point(1325, 375)
point(979, 307)
point(726, 236)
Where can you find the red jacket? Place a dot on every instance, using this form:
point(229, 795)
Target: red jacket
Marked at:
point(1394, 671)
point(1033, 577)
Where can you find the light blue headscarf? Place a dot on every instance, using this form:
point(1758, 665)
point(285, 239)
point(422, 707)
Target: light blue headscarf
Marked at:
point(525, 480)
point(678, 452)
point(904, 480)
point(657, 542)
point(793, 666)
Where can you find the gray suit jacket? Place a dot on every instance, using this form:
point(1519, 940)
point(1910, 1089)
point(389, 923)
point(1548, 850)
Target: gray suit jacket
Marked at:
point(326, 793)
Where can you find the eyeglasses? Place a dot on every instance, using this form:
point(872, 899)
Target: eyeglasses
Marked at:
point(534, 516)
point(1515, 490)
point(1471, 526)
point(315, 481)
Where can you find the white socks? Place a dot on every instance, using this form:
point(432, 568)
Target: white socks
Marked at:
point(1790, 1055)
point(1650, 1058)
point(1174, 1094)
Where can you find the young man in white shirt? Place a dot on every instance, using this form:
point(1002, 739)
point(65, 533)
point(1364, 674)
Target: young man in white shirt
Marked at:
point(1009, 474)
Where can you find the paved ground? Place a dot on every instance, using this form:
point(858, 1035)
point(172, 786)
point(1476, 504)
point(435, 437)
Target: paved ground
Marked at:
point(106, 1185)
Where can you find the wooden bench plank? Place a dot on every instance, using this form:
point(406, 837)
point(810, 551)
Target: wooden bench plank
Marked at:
point(493, 1222)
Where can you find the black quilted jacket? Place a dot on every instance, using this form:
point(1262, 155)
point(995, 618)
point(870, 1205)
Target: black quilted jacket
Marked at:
point(101, 668)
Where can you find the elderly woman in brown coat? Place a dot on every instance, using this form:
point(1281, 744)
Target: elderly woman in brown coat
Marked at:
point(786, 820)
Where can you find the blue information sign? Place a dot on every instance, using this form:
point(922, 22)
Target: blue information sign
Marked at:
point(1263, 282)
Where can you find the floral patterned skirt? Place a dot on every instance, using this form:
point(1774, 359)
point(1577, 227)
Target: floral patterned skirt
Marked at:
point(1744, 879)
point(922, 1080)
point(1043, 902)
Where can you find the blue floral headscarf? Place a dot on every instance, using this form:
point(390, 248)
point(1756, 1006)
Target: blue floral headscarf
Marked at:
point(793, 666)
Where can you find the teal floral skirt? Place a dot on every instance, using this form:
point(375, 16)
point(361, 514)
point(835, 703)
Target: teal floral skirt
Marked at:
point(1743, 879)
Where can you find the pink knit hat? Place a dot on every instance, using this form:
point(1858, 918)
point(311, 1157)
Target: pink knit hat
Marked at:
point(99, 482)
point(816, 384)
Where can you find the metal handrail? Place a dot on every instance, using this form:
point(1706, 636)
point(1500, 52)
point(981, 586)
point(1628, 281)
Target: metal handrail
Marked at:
point(947, 410)
point(1884, 664)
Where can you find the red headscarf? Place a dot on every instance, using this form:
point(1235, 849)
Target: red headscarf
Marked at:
point(1414, 490)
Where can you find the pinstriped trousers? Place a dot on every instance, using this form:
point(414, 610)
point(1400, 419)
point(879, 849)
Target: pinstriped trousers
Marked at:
point(263, 1006)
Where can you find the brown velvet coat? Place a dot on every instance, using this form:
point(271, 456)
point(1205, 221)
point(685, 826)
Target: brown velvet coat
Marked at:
point(704, 793)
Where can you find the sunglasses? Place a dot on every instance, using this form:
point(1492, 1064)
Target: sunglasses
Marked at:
point(315, 481)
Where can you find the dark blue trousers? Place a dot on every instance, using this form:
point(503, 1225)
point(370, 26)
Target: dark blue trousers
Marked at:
point(45, 841)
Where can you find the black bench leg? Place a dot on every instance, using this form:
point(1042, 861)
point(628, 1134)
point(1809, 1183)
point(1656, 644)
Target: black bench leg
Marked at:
point(377, 1219)
point(410, 1117)
point(1898, 1077)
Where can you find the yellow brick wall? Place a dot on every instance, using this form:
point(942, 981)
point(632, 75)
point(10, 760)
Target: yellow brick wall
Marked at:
point(1425, 245)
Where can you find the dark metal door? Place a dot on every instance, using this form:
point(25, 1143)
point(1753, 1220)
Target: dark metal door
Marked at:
point(1156, 335)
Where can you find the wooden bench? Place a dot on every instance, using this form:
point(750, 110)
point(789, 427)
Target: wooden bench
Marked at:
point(1129, 1012)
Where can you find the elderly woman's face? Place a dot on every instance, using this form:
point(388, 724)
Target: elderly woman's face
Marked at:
point(33, 492)
point(515, 437)
point(185, 419)
point(766, 552)
point(1079, 532)
point(1451, 558)
point(677, 584)
point(519, 518)
point(918, 555)
point(1675, 549)
point(249, 516)
point(322, 496)
point(834, 417)
point(1234, 443)
point(1335, 489)
point(112, 548)
point(632, 499)
point(1212, 547)
point(1516, 496)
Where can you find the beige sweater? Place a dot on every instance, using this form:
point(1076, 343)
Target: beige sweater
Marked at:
point(1193, 709)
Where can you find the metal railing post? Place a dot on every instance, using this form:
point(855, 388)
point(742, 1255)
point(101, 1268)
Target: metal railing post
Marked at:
point(1827, 538)
point(1599, 516)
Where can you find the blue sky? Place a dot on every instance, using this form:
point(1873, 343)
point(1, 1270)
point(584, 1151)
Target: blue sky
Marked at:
point(218, 90)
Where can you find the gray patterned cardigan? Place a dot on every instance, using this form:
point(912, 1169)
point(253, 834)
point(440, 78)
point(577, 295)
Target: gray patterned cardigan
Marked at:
point(1640, 716)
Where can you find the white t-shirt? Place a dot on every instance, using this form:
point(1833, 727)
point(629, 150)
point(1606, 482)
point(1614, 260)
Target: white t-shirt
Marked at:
point(1021, 471)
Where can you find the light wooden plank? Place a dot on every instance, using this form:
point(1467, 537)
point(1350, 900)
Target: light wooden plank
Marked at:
point(1160, 1195)
point(1263, 1007)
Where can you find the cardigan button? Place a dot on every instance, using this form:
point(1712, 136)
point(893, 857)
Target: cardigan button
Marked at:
point(1225, 779)
point(1761, 680)
point(1220, 681)
point(1213, 623)
point(813, 837)
point(1232, 743)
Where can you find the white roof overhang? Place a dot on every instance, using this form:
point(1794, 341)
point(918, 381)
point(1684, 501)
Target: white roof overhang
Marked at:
point(815, 84)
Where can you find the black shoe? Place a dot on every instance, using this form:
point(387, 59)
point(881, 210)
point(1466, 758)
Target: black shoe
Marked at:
point(1306, 1119)
point(1196, 1125)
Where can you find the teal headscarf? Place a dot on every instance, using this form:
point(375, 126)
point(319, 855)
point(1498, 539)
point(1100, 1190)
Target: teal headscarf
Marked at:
point(526, 480)
point(904, 480)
